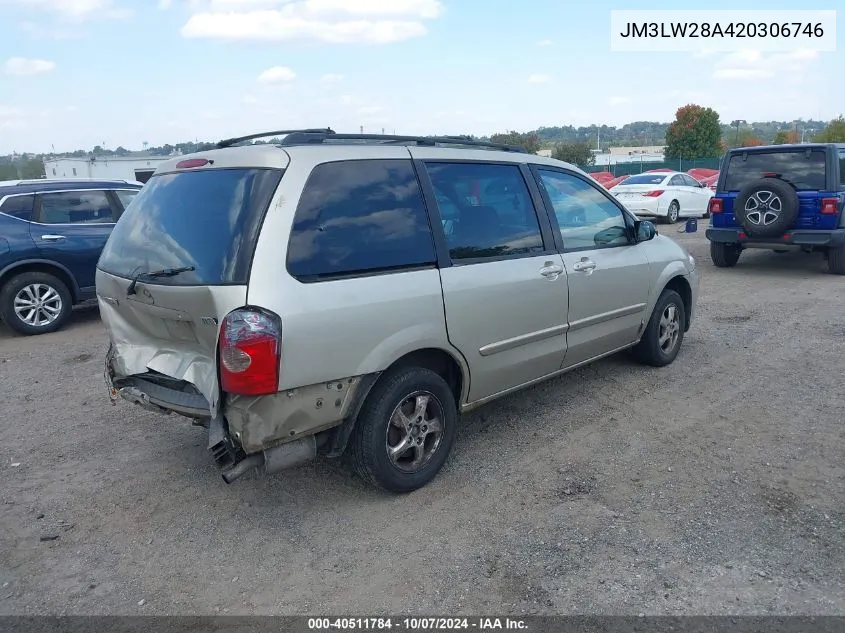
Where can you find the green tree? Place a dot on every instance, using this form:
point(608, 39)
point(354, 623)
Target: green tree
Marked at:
point(529, 141)
point(785, 137)
point(8, 171)
point(834, 132)
point(695, 133)
point(576, 153)
point(32, 168)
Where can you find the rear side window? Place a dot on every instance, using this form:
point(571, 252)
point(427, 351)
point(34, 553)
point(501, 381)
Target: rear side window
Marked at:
point(76, 207)
point(126, 196)
point(842, 166)
point(802, 169)
point(360, 216)
point(208, 219)
point(645, 179)
point(486, 210)
point(18, 207)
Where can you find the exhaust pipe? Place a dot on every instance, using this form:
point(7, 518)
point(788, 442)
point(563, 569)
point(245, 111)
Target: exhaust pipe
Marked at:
point(243, 467)
point(275, 459)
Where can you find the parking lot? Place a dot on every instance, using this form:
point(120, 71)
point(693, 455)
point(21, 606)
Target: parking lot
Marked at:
point(711, 486)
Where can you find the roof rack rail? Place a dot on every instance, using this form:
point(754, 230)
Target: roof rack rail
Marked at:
point(240, 139)
point(305, 137)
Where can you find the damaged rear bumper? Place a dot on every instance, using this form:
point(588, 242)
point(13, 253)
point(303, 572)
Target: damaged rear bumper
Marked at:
point(270, 433)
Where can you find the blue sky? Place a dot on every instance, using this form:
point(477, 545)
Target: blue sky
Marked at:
point(76, 73)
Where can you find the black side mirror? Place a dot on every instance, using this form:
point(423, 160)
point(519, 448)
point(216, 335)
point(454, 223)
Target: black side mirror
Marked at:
point(644, 230)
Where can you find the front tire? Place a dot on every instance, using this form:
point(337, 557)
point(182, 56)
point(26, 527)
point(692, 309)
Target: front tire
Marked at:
point(725, 255)
point(35, 303)
point(405, 430)
point(664, 333)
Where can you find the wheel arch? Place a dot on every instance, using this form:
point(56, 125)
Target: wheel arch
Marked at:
point(41, 266)
point(679, 284)
point(448, 365)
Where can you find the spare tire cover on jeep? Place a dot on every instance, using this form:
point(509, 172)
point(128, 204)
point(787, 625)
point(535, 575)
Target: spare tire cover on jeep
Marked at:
point(766, 207)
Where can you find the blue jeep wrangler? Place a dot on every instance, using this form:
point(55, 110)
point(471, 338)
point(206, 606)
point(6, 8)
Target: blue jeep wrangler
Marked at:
point(780, 197)
point(51, 236)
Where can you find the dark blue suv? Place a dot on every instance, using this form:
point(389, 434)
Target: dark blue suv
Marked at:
point(783, 198)
point(51, 236)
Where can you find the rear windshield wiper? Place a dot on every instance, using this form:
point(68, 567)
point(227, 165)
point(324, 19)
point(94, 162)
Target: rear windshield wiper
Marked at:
point(164, 272)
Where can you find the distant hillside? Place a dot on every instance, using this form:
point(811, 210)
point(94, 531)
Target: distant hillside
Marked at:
point(637, 133)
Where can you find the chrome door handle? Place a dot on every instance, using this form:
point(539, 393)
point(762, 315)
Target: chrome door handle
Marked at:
point(52, 238)
point(551, 271)
point(585, 265)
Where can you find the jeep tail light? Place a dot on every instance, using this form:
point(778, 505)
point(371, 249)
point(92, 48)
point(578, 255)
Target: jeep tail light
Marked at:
point(653, 194)
point(716, 205)
point(830, 206)
point(250, 352)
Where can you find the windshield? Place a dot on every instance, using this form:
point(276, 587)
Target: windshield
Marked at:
point(643, 179)
point(801, 169)
point(208, 220)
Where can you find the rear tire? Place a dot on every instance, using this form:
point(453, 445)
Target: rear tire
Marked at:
point(664, 333)
point(724, 255)
point(673, 213)
point(836, 260)
point(412, 408)
point(49, 297)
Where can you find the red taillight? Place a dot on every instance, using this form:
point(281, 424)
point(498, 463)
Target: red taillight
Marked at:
point(653, 194)
point(741, 235)
point(830, 206)
point(192, 163)
point(716, 205)
point(250, 353)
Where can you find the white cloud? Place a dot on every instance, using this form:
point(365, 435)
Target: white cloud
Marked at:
point(539, 78)
point(165, 4)
point(276, 75)
point(75, 10)
point(546, 43)
point(371, 110)
point(273, 26)
point(334, 21)
point(424, 9)
point(615, 101)
point(704, 53)
point(22, 67)
point(331, 78)
point(751, 65)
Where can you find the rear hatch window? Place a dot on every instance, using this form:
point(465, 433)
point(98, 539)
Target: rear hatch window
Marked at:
point(802, 169)
point(205, 219)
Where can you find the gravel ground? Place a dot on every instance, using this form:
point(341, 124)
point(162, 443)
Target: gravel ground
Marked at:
point(713, 486)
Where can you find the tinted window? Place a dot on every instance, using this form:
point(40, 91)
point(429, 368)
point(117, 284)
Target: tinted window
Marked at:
point(689, 181)
point(360, 216)
point(587, 219)
point(803, 170)
point(645, 179)
point(208, 219)
point(18, 207)
point(75, 207)
point(842, 166)
point(126, 196)
point(676, 181)
point(487, 210)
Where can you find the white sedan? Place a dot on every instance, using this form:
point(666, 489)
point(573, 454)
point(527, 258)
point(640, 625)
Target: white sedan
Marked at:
point(667, 195)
